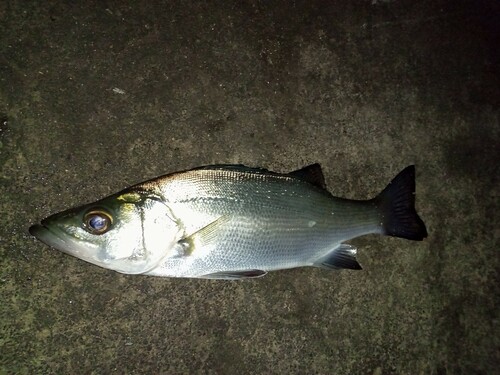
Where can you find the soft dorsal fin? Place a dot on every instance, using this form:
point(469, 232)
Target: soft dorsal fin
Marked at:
point(312, 174)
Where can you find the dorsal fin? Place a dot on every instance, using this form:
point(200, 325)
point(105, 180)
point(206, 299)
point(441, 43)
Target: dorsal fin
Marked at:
point(312, 174)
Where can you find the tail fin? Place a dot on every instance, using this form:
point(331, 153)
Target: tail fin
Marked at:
point(397, 205)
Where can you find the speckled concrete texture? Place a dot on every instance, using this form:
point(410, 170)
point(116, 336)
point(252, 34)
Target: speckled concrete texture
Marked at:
point(96, 96)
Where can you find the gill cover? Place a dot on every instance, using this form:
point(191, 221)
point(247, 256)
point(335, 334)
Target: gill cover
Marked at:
point(129, 232)
point(141, 235)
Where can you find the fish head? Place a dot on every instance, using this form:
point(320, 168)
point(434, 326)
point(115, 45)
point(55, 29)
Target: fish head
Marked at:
point(129, 232)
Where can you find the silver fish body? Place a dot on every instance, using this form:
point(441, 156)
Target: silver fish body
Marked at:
point(230, 222)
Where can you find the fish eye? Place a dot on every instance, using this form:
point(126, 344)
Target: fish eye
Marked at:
point(97, 221)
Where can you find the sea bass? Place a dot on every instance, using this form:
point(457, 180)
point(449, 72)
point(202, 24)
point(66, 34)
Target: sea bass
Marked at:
point(230, 222)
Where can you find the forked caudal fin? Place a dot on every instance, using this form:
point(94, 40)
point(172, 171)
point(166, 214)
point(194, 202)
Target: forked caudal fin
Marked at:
point(397, 206)
point(398, 218)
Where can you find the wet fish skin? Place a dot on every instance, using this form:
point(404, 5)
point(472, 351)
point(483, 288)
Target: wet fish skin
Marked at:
point(231, 222)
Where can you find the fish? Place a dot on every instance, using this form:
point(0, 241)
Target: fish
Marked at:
point(230, 222)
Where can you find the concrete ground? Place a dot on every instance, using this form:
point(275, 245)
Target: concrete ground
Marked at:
point(96, 96)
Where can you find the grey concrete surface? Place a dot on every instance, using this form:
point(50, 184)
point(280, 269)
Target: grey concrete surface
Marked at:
point(96, 96)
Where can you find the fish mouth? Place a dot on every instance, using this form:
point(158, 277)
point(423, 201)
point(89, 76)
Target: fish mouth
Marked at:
point(56, 238)
point(48, 237)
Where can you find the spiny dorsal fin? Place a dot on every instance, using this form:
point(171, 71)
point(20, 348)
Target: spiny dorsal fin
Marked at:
point(312, 174)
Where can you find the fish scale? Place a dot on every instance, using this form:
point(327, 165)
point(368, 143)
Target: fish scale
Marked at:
point(271, 216)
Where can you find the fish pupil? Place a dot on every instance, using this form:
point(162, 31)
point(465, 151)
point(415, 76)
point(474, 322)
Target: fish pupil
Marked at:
point(98, 222)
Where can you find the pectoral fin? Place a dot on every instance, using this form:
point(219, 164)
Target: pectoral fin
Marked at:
point(204, 237)
point(235, 275)
point(343, 256)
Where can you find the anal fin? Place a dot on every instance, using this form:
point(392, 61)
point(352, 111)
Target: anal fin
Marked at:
point(343, 256)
